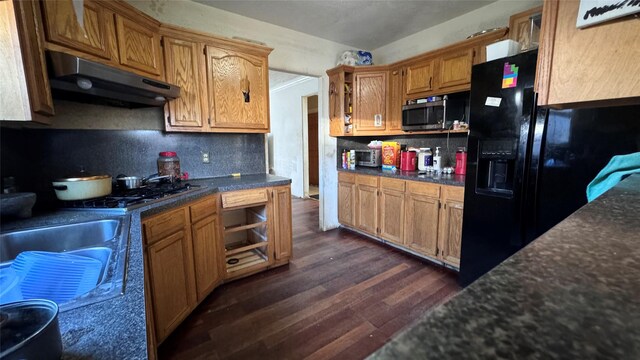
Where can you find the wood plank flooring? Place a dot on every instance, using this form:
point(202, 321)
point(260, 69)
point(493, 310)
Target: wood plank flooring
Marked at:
point(341, 297)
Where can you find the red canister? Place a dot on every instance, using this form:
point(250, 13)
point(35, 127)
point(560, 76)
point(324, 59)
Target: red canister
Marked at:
point(461, 161)
point(408, 160)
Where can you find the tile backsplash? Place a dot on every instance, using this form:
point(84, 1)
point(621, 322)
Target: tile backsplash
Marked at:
point(448, 145)
point(37, 156)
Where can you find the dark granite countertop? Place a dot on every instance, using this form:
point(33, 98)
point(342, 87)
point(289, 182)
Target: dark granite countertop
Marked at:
point(116, 328)
point(444, 179)
point(573, 293)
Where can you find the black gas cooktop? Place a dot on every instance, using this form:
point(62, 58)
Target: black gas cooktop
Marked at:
point(127, 199)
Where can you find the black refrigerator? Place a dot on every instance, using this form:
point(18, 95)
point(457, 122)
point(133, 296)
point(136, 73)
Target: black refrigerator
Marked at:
point(528, 167)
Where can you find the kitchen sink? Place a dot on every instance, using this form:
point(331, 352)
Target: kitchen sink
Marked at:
point(105, 240)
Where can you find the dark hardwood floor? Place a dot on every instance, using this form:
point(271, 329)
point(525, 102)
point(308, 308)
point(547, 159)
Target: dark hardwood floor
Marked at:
point(342, 297)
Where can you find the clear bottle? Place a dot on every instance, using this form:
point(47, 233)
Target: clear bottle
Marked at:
point(437, 160)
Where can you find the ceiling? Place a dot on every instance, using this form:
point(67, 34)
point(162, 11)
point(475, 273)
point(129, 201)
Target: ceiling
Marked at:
point(365, 25)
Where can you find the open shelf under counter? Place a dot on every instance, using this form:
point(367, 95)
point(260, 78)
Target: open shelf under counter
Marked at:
point(245, 260)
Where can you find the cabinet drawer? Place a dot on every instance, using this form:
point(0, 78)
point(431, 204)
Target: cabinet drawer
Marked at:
point(367, 180)
point(245, 197)
point(203, 208)
point(422, 188)
point(455, 193)
point(392, 184)
point(167, 223)
point(346, 177)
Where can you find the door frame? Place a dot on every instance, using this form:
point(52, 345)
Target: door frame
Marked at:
point(305, 143)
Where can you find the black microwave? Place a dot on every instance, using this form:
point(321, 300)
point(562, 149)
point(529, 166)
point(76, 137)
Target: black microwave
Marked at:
point(424, 116)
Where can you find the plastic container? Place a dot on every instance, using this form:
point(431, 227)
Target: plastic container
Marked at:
point(58, 277)
point(437, 160)
point(502, 49)
point(461, 161)
point(169, 164)
point(408, 161)
point(9, 286)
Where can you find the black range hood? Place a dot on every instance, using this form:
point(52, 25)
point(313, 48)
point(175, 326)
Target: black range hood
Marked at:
point(76, 79)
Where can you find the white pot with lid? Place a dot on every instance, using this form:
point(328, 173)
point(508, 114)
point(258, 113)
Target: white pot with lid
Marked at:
point(82, 187)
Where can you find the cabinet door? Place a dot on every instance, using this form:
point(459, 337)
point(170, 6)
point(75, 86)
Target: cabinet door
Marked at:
point(207, 256)
point(392, 206)
point(346, 203)
point(593, 66)
point(367, 208)
point(184, 66)
point(394, 115)
point(30, 35)
point(171, 281)
point(419, 77)
point(282, 226)
point(451, 227)
point(421, 224)
point(139, 46)
point(455, 68)
point(336, 104)
point(238, 90)
point(520, 29)
point(370, 102)
point(63, 26)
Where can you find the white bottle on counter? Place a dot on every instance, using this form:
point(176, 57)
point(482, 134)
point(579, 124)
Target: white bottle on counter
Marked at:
point(437, 160)
point(352, 160)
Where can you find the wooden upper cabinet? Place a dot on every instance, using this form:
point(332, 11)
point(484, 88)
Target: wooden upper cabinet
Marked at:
point(238, 90)
point(455, 68)
point(395, 99)
point(593, 66)
point(63, 27)
point(369, 113)
point(520, 28)
point(24, 84)
point(139, 45)
point(419, 77)
point(185, 66)
point(336, 104)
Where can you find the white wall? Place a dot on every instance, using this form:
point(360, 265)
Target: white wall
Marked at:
point(287, 131)
point(293, 52)
point(491, 16)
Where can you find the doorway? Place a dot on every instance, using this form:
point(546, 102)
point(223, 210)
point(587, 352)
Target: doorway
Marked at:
point(312, 141)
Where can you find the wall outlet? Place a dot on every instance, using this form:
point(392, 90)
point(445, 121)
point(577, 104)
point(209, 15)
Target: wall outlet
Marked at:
point(377, 120)
point(205, 157)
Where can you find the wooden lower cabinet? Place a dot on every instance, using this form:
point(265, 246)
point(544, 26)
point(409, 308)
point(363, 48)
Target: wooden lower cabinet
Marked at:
point(421, 224)
point(450, 238)
point(392, 214)
point(171, 279)
point(185, 253)
point(282, 226)
point(367, 203)
point(425, 218)
point(206, 255)
point(347, 199)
